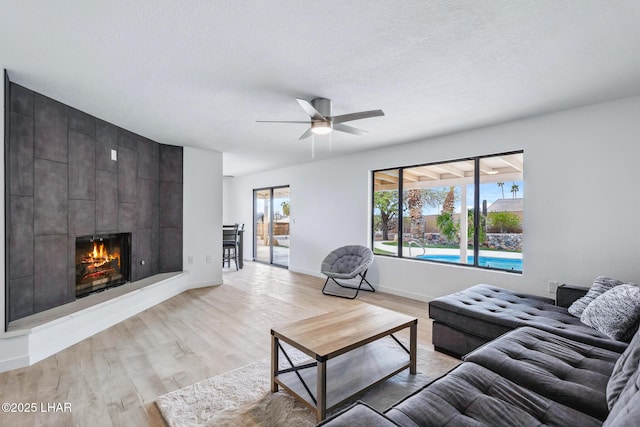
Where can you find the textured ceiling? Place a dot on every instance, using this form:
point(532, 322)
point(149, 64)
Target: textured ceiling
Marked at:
point(200, 73)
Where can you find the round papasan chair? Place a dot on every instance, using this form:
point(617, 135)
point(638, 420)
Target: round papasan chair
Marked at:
point(344, 263)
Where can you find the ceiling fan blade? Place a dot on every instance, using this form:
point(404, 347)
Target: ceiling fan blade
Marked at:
point(356, 116)
point(348, 129)
point(281, 121)
point(311, 111)
point(306, 135)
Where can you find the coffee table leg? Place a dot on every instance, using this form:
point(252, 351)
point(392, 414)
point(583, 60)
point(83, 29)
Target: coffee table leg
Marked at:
point(274, 363)
point(321, 397)
point(413, 347)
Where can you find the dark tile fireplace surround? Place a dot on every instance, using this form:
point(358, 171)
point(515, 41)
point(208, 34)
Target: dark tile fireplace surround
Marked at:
point(72, 179)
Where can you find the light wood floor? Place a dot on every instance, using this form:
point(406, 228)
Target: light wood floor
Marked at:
point(113, 378)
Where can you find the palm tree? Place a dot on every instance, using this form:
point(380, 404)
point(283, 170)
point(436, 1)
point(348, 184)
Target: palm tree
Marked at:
point(514, 189)
point(415, 201)
point(449, 203)
point(501, 185)
point(445, 222)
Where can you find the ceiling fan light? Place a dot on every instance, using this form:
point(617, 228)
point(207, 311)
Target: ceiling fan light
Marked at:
point(321, 128)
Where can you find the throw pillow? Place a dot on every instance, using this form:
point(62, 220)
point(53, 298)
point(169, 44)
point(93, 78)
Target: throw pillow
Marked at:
point(615, 312)
point(601, 285)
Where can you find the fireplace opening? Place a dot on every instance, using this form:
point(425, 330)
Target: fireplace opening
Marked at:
point(102, 262)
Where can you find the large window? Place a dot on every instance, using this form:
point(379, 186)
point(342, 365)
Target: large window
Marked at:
point(467, 212)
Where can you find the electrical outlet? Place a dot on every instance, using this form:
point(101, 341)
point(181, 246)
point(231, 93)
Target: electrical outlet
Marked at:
point(114, 155)
point(189, 259)
point(553, 286)
point(208, 259)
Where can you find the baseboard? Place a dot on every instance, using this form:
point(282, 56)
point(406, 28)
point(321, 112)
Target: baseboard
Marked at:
point(15, 363)
point(313, 273)
point(378, 288)
point(402, 293)
point(198, 285)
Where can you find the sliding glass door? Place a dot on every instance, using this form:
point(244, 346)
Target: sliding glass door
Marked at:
point(272, 209)
point(262, 222)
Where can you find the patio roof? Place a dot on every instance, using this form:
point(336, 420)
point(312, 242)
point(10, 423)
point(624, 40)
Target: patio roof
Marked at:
point(492, 169)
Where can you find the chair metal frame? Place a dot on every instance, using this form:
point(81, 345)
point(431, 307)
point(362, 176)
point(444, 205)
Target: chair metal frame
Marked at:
point(357, 288)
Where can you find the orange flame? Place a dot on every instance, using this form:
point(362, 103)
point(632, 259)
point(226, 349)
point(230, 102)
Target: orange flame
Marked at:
point(100, 255)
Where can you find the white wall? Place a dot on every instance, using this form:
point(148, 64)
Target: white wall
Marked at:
point(581, 202)
point(226, 193)
point(202, 216)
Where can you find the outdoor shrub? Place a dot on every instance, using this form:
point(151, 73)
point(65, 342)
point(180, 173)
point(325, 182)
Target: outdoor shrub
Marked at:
point(448, 227)
point(503, 222)
point(482, 235)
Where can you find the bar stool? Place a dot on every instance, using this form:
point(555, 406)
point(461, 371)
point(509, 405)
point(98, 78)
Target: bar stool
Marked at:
point(230, 234)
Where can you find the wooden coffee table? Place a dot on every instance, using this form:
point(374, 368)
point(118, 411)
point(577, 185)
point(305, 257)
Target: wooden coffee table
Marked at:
point(351, 349)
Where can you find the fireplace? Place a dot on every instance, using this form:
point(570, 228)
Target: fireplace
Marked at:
point(102, 262)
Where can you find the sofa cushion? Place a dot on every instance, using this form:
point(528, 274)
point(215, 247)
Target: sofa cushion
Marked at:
point(489, 311)
point(601, 285)
point(471, 395)
point(567, 371)
point(624, 368)
point(615, 312)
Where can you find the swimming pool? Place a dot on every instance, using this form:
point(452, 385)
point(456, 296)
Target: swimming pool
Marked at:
point(483, 261)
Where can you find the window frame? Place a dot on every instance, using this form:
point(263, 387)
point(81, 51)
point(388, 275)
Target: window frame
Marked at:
point(476, 211)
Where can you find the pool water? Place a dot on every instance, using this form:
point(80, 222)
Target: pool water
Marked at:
point(483, 261)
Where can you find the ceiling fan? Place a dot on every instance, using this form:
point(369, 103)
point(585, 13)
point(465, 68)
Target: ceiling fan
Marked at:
point(322, 122)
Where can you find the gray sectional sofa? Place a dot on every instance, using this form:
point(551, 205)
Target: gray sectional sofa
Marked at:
point(531, 363)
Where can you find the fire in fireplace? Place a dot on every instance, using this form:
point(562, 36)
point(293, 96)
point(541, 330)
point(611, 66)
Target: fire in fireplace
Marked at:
point(102, 262)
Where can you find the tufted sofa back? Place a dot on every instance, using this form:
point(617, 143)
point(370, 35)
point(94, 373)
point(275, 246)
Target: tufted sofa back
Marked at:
point(623, 389)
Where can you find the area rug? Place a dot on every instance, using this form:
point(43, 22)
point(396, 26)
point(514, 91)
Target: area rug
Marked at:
point(242, 397)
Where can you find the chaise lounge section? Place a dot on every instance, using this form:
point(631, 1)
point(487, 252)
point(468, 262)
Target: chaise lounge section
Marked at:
point(468, 319)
